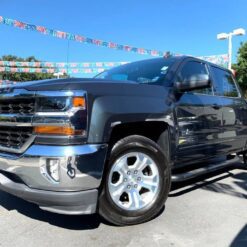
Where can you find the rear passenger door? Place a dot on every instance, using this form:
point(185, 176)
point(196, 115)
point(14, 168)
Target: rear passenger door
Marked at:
point(199, 117)
point(234, 109)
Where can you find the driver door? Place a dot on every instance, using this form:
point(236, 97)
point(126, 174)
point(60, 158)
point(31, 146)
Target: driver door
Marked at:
point(199, 117)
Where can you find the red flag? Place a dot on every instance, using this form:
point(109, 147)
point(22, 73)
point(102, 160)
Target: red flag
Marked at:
point(19, 24)
point(79, 38)
point(41, 29)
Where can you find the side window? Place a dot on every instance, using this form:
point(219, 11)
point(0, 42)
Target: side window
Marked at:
point(192, 70)
point(224, 83)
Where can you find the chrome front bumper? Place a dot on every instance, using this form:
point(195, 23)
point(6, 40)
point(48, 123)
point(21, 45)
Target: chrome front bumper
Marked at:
point(81, 170)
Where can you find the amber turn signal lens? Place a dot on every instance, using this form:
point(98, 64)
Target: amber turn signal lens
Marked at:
point(79, 102)
point(56, 130)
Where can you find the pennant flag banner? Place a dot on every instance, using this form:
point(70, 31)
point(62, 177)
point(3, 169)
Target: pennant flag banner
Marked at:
point(79, 38)
point(222, 59)
point(60, 64)
point(86, 68)
point(51, 71)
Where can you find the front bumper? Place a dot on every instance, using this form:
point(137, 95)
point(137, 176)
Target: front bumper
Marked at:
point(81, 170)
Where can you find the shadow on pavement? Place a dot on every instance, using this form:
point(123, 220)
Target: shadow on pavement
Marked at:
point(211, 182)
point(73, 222)
point(241, 239)
point(239, 181)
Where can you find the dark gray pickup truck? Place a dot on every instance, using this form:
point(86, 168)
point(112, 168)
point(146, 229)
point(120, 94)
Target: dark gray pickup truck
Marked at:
point(114, 143)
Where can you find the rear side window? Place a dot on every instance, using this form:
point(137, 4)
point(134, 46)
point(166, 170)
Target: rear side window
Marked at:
point(224, 83)
point(192, 70)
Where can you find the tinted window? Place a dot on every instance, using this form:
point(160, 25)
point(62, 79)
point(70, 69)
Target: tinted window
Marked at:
point(191, 71)
point(152, 71)
point(224, 83)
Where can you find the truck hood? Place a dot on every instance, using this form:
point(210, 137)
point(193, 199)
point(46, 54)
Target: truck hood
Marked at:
point(95, 87)
point(60, 84)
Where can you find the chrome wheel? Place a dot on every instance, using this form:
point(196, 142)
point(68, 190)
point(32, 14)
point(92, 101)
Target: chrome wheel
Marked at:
point(133, 181)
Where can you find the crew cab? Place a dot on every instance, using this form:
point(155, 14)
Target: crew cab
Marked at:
point(114, 143)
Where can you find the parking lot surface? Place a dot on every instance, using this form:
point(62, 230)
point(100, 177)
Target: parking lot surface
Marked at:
point(208, 211)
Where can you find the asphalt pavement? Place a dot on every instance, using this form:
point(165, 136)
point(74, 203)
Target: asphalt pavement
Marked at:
point(207, 211)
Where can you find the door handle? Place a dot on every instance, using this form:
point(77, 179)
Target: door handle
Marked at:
point(216, 107)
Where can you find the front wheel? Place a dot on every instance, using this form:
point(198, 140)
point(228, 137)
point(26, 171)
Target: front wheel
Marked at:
point(137, 182)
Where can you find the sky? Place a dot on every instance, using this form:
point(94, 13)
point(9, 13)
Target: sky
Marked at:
point(178, 26)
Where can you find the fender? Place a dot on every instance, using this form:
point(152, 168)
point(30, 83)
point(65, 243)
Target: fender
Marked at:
point(110, 110)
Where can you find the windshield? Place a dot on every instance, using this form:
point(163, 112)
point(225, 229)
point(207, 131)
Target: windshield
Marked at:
point(151, 71)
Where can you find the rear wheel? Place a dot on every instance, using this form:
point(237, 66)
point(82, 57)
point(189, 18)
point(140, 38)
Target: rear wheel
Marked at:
point(137, 182)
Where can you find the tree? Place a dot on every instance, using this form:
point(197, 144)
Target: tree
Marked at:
point(23, 76)
point(241, 66)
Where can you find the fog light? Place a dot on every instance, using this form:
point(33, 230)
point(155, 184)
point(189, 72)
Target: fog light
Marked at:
point(53, 169)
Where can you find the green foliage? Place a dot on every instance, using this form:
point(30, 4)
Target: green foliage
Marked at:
point(241, 66)
point(23, 76)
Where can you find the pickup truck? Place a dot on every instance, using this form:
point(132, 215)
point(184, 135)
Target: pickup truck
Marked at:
point(114, 143)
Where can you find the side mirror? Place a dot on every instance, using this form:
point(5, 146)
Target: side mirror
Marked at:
point(196, 82)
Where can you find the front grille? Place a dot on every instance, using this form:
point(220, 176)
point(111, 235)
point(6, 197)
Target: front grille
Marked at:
point(17, 106)
point(14, 137)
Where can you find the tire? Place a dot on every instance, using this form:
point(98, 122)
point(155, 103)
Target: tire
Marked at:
point(123, 200)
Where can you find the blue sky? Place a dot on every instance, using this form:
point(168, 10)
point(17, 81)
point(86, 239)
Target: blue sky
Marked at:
point(187, 27)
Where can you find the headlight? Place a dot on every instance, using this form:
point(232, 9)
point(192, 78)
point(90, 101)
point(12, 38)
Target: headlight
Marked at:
point(53, 104)
point(61, 116)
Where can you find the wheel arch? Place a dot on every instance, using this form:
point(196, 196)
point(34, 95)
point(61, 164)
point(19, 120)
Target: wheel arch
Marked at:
point(157, 131)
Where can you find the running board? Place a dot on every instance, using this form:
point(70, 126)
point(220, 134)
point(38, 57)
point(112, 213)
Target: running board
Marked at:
point(181, 177)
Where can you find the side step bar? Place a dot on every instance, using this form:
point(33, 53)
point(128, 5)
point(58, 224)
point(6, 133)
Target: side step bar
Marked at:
point(181, 177)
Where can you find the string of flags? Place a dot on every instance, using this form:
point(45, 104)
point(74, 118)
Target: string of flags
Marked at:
point(60, 65)
point(79, 38)
point(51, 71)
point(90, 67)
point(84, 68)
point(221, 59)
